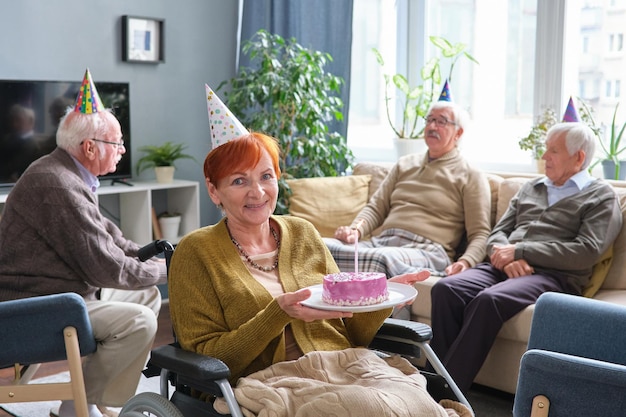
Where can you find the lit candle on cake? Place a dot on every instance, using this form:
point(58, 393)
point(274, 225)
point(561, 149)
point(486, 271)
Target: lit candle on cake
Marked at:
point(356, 245)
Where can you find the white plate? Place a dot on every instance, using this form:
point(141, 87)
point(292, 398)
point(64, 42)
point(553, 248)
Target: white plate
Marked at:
point(398, 294)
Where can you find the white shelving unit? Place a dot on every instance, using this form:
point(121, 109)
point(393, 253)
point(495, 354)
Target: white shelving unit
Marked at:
point(131, 206)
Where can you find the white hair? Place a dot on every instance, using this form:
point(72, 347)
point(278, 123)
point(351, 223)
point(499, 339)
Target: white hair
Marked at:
point(75, 127)
point(578, 137)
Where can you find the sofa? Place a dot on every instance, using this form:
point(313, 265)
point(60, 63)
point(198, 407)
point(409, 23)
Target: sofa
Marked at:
point(330, 202)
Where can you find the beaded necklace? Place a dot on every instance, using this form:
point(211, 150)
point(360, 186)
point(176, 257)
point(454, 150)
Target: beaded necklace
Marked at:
point(247, 257)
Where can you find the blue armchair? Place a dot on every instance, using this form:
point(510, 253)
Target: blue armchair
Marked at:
point(45, 329)
point(575, 364)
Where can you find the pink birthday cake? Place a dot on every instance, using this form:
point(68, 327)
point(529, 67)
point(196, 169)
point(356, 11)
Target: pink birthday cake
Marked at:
point(355, 289)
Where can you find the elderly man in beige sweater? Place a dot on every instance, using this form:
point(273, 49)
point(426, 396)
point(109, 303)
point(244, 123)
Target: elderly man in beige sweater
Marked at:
point(424, 209)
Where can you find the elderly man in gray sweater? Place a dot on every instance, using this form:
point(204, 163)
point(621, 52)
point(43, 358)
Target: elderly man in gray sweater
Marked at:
point(553, 232)
point(54, 239)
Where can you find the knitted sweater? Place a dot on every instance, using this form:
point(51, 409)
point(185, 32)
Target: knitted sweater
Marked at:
point(54, 239)
point(567, 238)
point(219, 309)
point(442, 200)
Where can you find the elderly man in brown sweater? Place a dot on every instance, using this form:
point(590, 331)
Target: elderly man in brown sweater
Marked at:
point(424, 208)
point(53, 239)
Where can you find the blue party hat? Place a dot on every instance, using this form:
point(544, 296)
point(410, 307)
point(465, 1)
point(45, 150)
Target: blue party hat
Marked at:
point(571, 115)
point(445, 93)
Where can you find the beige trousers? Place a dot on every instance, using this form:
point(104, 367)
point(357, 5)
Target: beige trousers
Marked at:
point(124, 324)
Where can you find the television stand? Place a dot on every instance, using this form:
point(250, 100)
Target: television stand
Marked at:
point(121, 181)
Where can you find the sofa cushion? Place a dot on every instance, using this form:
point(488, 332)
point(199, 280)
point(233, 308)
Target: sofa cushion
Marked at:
point(508, 188)
point(376, 170)
point(494, 186)
point(616, 277)
point(328, 202)
point(600, 271)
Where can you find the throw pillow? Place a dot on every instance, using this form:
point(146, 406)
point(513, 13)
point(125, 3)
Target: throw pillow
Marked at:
point(328, 202)
point(378, 171)
point(600, 270)
point(508, 188)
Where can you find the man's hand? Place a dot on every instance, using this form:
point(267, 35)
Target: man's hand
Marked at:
point(519, 268)
point(410, 278)
point(346, 234)
point(290, 303)
point(502, 256)
point(457, 267)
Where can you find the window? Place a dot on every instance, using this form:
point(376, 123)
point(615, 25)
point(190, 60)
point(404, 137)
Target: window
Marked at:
point(374, 26)
point(502, 93)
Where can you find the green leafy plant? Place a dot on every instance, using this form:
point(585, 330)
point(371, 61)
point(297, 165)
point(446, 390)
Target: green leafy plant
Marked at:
point(535, 142)
point(614, 148)
point(416, 100)
point(289, 95)
point(162, 155)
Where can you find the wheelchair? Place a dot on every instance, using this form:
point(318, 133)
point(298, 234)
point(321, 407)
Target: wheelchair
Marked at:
point(189, 371)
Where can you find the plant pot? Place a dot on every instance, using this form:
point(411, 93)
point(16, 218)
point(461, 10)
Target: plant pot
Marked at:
point(608, 167)
point(164, 175)
point(408, 146)
point(169, 227)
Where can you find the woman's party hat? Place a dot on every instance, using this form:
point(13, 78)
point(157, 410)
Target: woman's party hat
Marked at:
point(224, 125)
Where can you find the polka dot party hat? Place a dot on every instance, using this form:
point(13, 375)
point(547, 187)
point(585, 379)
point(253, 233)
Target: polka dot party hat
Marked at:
point(88, 101)
point(571, 115)
point(224, 125)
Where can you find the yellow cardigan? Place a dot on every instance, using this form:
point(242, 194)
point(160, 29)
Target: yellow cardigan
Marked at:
point(219, 309)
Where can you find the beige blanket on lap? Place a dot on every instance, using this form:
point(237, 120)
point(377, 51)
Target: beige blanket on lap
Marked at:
point(347, 383)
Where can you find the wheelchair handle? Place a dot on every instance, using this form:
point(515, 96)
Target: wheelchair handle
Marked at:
point(154, 248)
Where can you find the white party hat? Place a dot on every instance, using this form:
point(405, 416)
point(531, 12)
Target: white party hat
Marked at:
point(224, 125)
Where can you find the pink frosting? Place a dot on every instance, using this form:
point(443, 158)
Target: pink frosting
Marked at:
point(355, 289)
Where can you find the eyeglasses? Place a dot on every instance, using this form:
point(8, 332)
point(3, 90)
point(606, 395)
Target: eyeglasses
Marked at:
point(439, 121)
point(117, 144)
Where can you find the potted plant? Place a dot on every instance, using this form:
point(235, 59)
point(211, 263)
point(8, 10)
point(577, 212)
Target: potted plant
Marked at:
point(535, 142)
point(416, 100)
point(162, 159)
point(289, 95)
point(169, 224)
point(613, 167)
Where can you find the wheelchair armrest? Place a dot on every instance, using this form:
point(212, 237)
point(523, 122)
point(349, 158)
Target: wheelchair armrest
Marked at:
point(404, 329)
point(401, 336)
point(189, 364)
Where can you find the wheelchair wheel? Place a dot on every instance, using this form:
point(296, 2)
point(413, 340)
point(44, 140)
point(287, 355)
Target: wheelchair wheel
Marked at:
point(149, 404)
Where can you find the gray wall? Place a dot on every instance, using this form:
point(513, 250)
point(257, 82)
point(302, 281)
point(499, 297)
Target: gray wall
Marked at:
point(58, 39)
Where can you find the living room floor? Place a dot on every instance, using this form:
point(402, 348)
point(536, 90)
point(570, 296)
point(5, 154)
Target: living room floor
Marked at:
point(485, 401)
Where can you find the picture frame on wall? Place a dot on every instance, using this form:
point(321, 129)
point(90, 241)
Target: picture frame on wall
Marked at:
point(142, 39)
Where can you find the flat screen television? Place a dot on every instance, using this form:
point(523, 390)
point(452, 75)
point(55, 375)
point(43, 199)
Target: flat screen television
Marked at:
point(29, 115)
